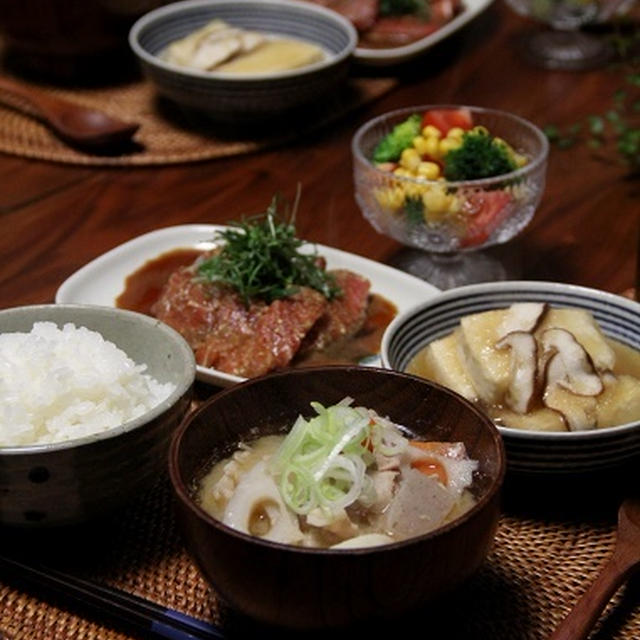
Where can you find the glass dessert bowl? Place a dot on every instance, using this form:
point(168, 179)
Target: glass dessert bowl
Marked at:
point(411, 184)
point(560, 42)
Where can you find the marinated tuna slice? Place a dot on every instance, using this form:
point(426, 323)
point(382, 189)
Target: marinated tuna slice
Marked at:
point(191, 307)
point(399, 30)
point(362, 13)
point(344, 315)
point(268, 336)
point(227, 335)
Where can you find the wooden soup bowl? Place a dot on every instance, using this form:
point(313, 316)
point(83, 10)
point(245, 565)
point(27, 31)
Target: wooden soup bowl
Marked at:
point(303, 588)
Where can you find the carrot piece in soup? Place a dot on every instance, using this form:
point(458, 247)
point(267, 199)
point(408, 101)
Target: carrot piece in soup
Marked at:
point(431, 466)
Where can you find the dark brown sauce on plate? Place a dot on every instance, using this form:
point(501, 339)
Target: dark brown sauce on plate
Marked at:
point(143, 287)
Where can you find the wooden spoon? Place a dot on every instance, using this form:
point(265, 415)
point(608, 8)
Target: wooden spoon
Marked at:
point(76, 125)
point(624, 561)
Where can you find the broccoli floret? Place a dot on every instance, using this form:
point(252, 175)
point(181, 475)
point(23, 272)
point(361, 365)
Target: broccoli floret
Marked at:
point(400, 137)
point(479, 156)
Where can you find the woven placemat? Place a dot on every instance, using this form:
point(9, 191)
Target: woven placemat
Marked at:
point(536, 571)
point(169, 134)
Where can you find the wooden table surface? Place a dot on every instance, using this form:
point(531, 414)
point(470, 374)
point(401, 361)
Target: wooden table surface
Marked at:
point(56, 218)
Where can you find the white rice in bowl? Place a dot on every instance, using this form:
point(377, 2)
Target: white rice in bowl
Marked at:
point(62, 384)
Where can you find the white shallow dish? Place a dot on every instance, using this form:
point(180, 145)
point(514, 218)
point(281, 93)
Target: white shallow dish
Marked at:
point(102, 280)
point(531, 452)
point(396, 55)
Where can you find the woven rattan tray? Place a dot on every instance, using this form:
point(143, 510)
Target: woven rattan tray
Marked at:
point(537, 569)
point(168, 134)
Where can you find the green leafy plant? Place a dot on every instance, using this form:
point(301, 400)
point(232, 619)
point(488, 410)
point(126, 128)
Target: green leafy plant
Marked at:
point(260, 258)
point(618, 127)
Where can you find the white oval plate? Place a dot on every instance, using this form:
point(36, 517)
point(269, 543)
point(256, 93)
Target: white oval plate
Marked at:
point(395, 55)
point(102, 280)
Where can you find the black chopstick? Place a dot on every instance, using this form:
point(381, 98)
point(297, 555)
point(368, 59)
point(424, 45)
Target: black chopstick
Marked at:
point(123, 607)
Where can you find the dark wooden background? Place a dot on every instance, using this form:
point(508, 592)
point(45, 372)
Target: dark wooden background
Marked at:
point(55, 218)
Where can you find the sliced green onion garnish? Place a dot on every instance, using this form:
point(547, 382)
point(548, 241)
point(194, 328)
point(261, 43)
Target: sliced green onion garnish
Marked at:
point(323, 461)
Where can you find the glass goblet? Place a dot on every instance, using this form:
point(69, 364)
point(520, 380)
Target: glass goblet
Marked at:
point(447, 223)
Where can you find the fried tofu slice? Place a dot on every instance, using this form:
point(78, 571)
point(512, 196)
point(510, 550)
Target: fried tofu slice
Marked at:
point(620, 401)
point(489, 368)
point(441, 359)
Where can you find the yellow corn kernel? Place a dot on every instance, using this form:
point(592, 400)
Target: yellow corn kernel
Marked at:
point(505, 145)
point(435, 200)
point(413, 189)
point(446, 145)
point(519, 159)
point(454, 204)
point(421, 145)
point(390, 198)
point(428, 170)
point(410, 159)
point(480, 129)
point(431, 147)
point(455, 132)
point(431, 132)
point(401, 172)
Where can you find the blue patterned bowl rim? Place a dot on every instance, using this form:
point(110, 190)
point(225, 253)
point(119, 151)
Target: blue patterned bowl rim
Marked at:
point(149, 19)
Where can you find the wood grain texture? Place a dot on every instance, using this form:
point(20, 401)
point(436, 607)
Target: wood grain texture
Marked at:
point(57, 218)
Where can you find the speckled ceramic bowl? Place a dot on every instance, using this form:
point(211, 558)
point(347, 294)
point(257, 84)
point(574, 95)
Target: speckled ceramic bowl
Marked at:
point(238, 98)
point(79, 480)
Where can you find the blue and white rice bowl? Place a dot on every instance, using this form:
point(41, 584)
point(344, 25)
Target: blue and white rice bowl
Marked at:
point(530, 452)
point(233, 97)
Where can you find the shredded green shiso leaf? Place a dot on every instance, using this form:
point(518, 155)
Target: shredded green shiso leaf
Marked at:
point(260, 259)
point(419, 8)
point(323, 461)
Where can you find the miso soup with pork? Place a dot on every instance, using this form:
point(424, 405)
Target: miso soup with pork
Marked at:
point(344, 478)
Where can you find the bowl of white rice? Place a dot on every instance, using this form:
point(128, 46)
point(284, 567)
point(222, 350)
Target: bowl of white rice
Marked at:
point(89, 398)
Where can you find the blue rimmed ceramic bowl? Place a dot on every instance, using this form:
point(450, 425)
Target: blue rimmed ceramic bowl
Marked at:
point(530, 452)
point(233, 97)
